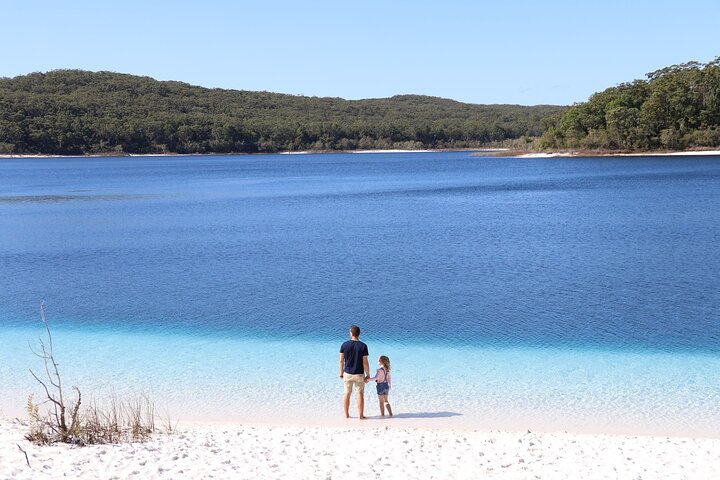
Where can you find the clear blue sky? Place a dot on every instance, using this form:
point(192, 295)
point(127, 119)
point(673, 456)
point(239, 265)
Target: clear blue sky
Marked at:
point(526, 52)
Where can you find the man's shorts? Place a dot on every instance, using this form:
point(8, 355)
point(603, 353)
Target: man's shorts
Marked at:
point(354, 379)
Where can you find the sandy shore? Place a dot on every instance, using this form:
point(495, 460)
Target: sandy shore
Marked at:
point(479, 151)
point(644, 154)
point(293, 152)
point(237, 451)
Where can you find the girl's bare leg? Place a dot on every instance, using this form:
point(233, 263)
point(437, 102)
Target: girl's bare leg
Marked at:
point(387, 404)
point(381, 399)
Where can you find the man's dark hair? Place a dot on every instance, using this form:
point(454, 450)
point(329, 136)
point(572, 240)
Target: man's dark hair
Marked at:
point(354, 330)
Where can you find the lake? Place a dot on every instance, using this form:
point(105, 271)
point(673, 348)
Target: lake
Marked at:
point(554, 293)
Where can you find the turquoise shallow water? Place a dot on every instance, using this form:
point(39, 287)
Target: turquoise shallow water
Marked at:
point(532, 293)
point(242, 380)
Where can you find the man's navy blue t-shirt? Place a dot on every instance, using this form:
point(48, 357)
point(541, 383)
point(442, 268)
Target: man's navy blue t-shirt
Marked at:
point(354, 351)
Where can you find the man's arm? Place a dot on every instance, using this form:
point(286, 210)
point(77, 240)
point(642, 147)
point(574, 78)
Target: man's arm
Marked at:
point(342, 364)
point(366, 366)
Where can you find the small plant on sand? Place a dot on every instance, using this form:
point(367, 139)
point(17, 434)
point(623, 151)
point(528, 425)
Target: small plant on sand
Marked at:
point(121, 420)
point(54, 426)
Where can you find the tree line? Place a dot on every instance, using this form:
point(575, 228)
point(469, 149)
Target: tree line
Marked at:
point(74, 112)
point(675, 108)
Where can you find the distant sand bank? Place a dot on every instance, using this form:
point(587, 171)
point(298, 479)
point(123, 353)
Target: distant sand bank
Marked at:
point(236, 451)
point(644, 154)
point(302, 152)
point(478, 152)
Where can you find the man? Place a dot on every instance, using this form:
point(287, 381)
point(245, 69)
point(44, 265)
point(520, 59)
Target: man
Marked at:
point(354, 370)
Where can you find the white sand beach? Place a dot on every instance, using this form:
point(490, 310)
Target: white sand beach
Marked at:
point(479, 151)
point(547, 155)
point(390, 151)
point(642, 154)
point(297, 452)
point(677, 154)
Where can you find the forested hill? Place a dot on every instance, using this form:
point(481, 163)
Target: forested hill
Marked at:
point(675, 108)
point(78, 112)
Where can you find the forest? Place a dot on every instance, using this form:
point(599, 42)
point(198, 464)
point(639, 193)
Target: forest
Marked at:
point(675, 108)
point(74, 112)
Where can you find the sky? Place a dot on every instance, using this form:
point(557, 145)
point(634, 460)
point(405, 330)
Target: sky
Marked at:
point(511, 51)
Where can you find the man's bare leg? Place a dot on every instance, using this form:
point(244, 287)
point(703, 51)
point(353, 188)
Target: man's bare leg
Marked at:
point(361, 406)
point(346, 404)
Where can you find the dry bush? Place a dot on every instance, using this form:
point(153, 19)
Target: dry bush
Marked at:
point(118, 420)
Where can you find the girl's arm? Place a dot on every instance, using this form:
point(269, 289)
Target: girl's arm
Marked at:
point(376, 375)
point(389, 378)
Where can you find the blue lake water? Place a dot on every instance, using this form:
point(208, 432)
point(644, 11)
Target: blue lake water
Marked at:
point(578, 293)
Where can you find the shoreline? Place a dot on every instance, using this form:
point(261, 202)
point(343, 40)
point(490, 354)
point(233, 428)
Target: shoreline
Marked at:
point(495, 152)
point(238, 154)
point(297, 418)
point(250, 451)
point(581, 154)
point(515, 388)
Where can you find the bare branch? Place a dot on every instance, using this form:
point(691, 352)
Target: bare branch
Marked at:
point(50, 397)
point(33, 350)
point(47, 327)
point(26, 455)
point(123, 420)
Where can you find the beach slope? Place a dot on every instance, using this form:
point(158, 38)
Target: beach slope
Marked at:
point(244, 451)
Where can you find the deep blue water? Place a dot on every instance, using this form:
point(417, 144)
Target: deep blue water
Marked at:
point(563, 293)
point(439, 248)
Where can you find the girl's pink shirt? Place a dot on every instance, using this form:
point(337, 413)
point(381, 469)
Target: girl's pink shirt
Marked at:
point(379, 378)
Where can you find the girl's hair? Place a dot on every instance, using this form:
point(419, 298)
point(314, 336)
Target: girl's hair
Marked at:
point(385, 362)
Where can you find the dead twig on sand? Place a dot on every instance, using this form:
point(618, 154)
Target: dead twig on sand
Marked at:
point(123, 420)
point(26, 455)
point(54, 393)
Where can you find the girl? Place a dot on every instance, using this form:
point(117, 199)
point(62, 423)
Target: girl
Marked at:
point(382, 377)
